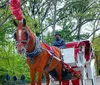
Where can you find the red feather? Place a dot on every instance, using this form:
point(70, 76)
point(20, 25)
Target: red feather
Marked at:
point(16, 9)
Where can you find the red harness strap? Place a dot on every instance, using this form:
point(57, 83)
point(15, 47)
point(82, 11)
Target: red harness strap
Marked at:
point(70, 69)
point(47, 46)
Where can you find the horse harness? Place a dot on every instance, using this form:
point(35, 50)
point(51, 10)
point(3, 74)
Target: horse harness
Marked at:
point(37, 50)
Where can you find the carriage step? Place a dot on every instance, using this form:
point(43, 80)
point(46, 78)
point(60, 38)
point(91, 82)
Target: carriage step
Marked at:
point(67, 75)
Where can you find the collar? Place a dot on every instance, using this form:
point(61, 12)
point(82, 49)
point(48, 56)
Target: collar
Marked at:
point(37, 50)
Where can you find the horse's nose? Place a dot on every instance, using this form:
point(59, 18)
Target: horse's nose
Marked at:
point(21, 51)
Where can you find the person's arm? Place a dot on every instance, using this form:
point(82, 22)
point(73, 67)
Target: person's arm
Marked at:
point(55, 43)
point(63, 44)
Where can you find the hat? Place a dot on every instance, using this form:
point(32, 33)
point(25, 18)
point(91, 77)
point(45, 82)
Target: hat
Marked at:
point(57, 33)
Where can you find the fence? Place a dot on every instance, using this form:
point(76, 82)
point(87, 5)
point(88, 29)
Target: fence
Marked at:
point(18, 82)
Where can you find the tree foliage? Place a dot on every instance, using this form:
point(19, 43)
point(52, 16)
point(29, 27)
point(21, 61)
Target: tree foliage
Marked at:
point(40, 15)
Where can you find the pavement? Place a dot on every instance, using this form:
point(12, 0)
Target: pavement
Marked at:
point(97, 81)
point(88, 82)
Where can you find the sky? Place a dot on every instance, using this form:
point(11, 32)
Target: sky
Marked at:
point(57, 27)
point(86, 28)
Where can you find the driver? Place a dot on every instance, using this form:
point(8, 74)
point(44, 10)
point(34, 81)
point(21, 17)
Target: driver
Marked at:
point(59, 42)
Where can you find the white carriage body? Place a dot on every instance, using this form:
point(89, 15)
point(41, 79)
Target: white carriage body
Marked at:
point(76, 49)
point(80, 55)
point(68, 55)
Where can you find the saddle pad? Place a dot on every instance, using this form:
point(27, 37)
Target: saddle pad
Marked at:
point(52, 49)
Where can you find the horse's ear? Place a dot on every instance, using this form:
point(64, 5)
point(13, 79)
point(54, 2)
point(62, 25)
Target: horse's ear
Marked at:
point(24, 22)
point(15, 23)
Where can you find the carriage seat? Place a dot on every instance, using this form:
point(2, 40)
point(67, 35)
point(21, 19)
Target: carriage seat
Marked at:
point(68, 55)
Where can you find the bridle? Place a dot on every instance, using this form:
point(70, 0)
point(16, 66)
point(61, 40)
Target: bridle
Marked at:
point(37, 46)
point(23, 41)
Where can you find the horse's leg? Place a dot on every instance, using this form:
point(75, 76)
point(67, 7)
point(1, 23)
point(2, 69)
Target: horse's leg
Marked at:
point(47, 78)
point(32, 74)
point(58, 69)
point(60, 78)
point(39, 78)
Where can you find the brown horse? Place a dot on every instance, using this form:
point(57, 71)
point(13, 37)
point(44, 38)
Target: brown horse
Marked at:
point(38, 58)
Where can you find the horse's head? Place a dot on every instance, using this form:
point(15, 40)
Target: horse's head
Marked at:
point(21, 36)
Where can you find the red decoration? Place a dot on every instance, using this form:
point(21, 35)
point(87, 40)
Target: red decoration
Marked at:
point(16, 9)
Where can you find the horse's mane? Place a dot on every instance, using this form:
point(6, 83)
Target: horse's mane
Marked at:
point(30, 31)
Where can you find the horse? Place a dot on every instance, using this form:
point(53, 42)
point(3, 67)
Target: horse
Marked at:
point(38, 57)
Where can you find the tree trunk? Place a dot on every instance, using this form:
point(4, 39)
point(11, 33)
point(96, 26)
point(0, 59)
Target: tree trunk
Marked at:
point(79, 29)
point(54, 16)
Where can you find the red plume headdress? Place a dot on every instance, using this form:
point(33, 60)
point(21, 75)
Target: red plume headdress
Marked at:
point(16, 9)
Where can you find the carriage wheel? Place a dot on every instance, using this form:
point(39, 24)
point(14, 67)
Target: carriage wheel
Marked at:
point(83, 76)
point(94, 76)
point(83, 82)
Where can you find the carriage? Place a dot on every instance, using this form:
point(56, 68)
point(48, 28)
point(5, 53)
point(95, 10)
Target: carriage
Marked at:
point(79, 55)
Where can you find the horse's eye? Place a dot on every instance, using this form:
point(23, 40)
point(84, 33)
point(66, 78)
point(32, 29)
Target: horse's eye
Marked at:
point(14, 35)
